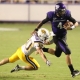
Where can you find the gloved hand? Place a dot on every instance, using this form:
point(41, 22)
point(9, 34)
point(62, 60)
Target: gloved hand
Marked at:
point(48, 62)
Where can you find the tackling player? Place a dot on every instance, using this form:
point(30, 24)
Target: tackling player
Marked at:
point(58, 18)
point(35, 43)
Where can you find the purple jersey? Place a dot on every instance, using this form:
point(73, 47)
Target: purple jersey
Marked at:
point(58, 22)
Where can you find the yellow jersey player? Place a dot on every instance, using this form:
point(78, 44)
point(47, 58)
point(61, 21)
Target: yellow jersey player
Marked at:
point(35, 43)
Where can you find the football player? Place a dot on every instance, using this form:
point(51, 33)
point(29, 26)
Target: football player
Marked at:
point(35, 43)
point(58, 18)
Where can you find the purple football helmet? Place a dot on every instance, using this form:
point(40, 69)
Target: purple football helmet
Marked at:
point(60, 9)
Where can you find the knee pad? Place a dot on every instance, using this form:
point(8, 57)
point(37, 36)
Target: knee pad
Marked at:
point(57, 54)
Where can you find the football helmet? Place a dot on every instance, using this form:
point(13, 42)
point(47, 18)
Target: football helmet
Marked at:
point(60, 9)
point(43, 34)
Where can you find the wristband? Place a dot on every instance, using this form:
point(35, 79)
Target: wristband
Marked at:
point(73, 27)
point(36, 29)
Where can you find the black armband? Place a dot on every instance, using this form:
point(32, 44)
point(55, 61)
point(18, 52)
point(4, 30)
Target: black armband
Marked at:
point(35, 29)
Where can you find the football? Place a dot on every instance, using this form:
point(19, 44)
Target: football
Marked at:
point(68, 24)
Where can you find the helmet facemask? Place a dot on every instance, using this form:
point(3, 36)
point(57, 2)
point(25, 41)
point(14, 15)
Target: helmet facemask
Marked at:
point(61, 12)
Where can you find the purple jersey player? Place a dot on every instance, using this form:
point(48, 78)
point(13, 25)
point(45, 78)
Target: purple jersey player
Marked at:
point(57, 22)
point(57, 19)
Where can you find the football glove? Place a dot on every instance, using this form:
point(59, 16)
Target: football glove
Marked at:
point(48, 62)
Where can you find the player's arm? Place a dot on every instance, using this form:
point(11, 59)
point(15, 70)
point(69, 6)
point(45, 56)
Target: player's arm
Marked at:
point(74, 23)
point(42, 54)
point(40, 24)
point(40, 51)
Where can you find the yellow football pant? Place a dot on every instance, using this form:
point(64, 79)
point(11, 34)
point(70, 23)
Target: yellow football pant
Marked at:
point(27, 59)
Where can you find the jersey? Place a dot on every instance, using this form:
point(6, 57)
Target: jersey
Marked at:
point(31, 45)
point(58, 22)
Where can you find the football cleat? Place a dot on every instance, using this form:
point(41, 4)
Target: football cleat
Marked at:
point(75, 73)
point(17, 68)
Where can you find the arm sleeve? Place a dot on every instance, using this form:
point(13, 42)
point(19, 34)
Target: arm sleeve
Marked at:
point(48, 18)
point(41, 23)
point(70, 18)
point(45, 20)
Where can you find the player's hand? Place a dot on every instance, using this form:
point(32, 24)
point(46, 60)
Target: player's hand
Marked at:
point(47, 42)
point(68, 25)
point(48, 62)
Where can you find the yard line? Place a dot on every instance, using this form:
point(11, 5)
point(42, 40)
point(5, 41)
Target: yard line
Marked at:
point(9, 29)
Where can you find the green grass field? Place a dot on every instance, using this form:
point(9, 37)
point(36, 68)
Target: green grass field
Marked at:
point(11, 40)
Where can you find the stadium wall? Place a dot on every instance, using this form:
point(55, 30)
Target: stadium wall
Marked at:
point(31, 12)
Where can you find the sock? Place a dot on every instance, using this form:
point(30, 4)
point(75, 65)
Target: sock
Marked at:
point(71, 68)
point(22, 67)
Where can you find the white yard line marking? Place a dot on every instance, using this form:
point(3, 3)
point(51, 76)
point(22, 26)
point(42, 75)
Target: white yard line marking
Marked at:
point(9, 29)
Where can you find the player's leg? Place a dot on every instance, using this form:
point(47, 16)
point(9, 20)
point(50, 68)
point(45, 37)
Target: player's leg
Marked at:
point(49, 50)
point(61, 45)
point(32, 64)
point(11, 59)
point(4, 61)
point(58, 50)
point(67, 51)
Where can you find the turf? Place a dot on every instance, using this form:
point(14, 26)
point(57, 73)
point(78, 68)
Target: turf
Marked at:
point(11, 40)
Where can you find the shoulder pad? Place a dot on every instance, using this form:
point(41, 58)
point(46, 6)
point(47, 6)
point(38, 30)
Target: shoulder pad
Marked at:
point(50, 14)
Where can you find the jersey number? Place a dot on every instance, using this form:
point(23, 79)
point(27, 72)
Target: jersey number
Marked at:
point(60, 25)
point(28, 45)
